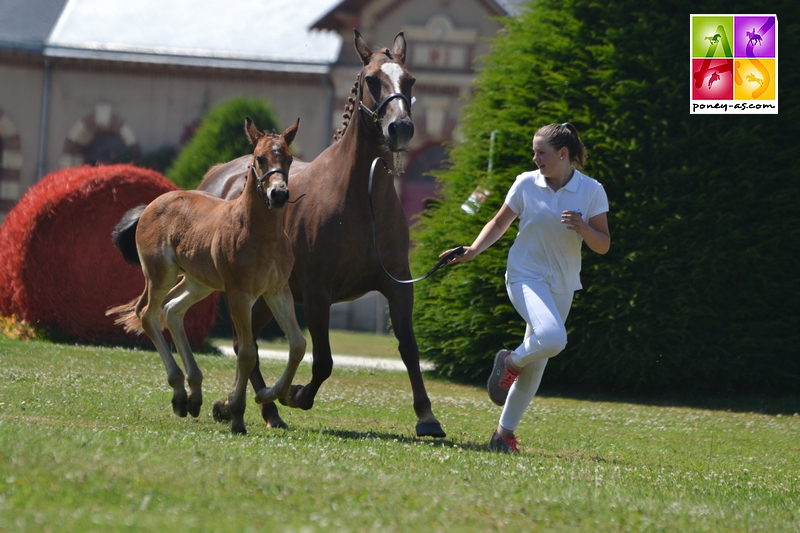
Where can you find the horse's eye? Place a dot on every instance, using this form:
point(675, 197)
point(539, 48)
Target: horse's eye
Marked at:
point(261, 160)
point(374, 83)
point(412, 81)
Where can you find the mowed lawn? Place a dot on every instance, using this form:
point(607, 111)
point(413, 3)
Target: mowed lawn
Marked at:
point(88, 442)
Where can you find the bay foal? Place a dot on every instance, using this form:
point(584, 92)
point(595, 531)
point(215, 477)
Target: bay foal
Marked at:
point(203, 244)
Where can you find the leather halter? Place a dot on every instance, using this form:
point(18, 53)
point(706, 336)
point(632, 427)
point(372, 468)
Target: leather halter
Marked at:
point(261, 179)
point(376, 113)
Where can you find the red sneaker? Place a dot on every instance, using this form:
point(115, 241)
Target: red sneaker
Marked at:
point(501, 379)
point(503, 444)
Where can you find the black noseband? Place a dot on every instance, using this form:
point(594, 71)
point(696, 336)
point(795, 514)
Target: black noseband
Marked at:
point(376, 113)
point(261, 179)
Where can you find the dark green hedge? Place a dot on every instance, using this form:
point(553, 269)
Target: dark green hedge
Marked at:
point(219, 138)
point(699, 290)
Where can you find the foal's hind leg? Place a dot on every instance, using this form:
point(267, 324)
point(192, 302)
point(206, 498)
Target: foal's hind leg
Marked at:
point(183, 296)
point(159, 279)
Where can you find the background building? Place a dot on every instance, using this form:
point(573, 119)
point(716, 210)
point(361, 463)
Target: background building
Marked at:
point(98, 81)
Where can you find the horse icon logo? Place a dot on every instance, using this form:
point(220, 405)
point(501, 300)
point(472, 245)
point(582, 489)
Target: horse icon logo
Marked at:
point(714, 77)
point(752, 78)
point(753, 37)
point(713, 39)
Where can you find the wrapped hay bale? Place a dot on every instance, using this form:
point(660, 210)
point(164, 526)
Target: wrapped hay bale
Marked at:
point(58, 266)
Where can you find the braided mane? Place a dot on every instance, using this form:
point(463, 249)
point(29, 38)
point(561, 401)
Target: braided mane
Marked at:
point(351, 100)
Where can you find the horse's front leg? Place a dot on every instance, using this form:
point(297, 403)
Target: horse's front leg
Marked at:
point(240, 305)
point(401, 304)
point(261, 316)
point(317, 309)
point(282, 305)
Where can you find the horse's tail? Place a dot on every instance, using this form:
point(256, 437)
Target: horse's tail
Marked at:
point(124, 234)
point(127, 316)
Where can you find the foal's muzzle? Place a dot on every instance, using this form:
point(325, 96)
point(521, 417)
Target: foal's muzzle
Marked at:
point(275, 196)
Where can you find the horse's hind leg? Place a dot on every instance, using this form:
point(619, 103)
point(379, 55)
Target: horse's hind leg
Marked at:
point(282, 306)
point(182, 297)
point(159, 279)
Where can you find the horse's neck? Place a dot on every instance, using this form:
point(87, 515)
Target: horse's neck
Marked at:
point(250, 208)
point(359, 147)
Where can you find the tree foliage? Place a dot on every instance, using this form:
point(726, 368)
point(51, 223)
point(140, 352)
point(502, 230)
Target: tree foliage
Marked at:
point(219, 138)
point(698, 290)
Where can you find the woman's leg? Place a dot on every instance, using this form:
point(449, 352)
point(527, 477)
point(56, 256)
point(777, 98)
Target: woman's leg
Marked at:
point(545, 336)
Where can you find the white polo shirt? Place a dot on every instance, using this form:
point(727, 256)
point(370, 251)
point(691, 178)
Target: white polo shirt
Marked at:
point(544, 248)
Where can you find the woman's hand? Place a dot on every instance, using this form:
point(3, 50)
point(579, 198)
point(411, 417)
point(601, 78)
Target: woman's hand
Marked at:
point(467, 255)
point(573, 221)
point(595, 233)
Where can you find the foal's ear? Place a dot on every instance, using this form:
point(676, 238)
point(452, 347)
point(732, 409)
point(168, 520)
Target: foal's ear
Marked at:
point(253, 135)
point(362, 48)
point(399, 48)
point(291, 131)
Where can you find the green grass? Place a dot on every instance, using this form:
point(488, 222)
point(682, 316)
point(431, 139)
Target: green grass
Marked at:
point(88, 442)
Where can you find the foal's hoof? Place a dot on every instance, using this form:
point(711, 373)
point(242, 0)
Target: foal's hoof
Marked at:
point(269, 412)
point(295, 399)
point(430, 429)
point(239, 430)
point(221, 410)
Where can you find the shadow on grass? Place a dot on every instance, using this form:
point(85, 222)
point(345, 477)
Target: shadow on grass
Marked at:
point(369, 435)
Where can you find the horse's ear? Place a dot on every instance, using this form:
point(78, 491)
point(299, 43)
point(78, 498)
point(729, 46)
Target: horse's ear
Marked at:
point(362, 48)
point(253, 135)
point(399, 48)
point(290, 132)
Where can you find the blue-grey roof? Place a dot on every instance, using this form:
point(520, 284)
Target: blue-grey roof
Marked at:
point(252, 34)
point(25, 24)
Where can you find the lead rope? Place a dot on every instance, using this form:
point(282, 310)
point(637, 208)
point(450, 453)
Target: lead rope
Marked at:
point(443, 261)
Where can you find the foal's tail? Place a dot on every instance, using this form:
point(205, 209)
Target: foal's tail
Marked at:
point(127, 316)
point(124, 234)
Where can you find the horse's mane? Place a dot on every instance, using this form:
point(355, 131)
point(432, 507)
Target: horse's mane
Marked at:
point(351, 101)
point(348, 112)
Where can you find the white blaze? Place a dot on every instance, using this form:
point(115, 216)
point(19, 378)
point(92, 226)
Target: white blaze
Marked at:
point(394, 73)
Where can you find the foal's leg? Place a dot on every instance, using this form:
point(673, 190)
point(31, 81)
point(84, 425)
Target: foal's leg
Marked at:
point(282, 305)
point(401, 303)
point(159, 279)
point(269, 411)
point(183, 296)
point(240, 304)
point(318, 315)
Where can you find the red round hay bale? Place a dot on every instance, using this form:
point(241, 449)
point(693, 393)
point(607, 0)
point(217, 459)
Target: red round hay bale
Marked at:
point(58, 266)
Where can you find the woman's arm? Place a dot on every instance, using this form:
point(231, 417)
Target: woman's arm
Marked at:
point(493, 230)
point(595, 233)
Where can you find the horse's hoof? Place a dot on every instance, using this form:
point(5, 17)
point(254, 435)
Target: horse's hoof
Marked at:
point(194, 406)
point(221, 411)
point(269, 412)
point(291, 398)
point(238, 430)
point(180, 408)
point(430, 429)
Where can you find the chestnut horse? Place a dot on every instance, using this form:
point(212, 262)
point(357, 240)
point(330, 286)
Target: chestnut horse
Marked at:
point(239, 247)
point(331, 228)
